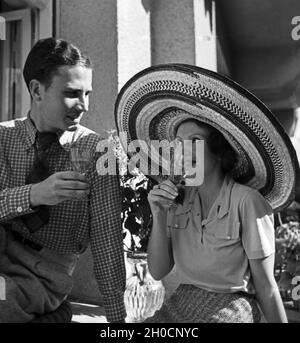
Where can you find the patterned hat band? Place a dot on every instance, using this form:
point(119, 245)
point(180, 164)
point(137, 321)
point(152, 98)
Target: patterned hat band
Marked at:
point(154, 102)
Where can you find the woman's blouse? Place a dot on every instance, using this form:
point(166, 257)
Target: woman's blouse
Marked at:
point(213, 253)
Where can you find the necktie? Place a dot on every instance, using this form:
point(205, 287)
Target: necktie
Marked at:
point(40, 172)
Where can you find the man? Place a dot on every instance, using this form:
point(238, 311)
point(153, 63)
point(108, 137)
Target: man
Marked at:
point(48, 212)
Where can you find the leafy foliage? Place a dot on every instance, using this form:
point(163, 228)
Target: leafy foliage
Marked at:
point(287, 235)
point(287, 257)
point(136, 213)
point(288, 241)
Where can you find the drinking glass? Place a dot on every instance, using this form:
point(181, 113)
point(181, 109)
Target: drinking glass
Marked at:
point(81, 159)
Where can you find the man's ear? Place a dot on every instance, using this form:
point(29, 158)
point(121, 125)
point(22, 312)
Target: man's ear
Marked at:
point(35, 89)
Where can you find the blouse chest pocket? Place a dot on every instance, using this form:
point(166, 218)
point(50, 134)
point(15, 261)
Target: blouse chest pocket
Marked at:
point(224, 229)
point(178, 221)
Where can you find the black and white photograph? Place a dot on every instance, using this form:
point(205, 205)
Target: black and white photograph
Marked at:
point(149, 165)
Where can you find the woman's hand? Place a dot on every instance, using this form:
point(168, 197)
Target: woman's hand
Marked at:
point(162, 196)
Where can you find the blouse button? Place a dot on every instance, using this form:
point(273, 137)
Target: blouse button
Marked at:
point(19, 209)
point(228, 237)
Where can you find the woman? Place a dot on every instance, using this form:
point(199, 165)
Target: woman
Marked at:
point(220, 238)
point(212, 252)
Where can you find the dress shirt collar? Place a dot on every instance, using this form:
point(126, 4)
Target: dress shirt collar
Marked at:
point(221, 205)
point(224, 198)
point(28, 130)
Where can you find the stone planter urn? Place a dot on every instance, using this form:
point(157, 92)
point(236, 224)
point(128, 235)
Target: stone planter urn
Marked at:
point(143, 295)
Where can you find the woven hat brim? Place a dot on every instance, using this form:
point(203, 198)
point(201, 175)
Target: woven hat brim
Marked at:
point(153, 103)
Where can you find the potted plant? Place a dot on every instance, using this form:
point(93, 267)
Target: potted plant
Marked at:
point(287, 258)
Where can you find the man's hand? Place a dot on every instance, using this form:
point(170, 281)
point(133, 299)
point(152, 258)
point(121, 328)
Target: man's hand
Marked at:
point(59, 187)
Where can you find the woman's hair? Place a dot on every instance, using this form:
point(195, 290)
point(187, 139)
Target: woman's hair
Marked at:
point(47, 55)
point(218, 145)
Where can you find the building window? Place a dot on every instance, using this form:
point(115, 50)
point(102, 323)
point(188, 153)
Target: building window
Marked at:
point(14, 98)
point(23, 27)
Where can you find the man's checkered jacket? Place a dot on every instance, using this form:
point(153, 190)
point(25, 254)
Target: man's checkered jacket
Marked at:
point(73, 225)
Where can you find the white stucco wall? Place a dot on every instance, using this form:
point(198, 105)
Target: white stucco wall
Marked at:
point(172, 30)
point(92, 25)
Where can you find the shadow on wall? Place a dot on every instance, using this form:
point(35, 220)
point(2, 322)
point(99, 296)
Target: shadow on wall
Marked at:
point(147, 5)
point(288, 119)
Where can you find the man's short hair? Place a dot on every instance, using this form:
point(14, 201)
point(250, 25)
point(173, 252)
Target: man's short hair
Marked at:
point(47, 55)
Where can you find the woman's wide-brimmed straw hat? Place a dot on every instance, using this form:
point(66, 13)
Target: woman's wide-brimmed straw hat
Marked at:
point(155, 101)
